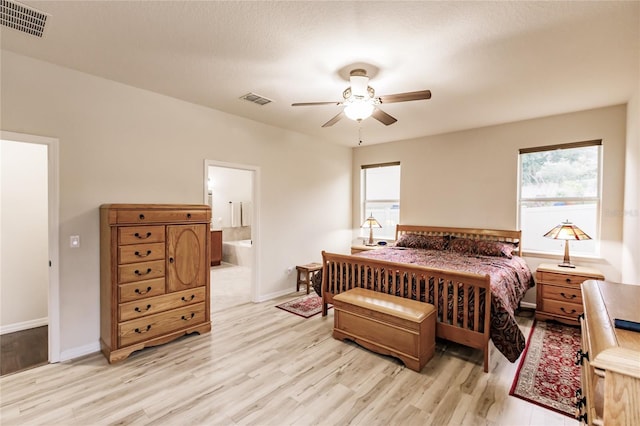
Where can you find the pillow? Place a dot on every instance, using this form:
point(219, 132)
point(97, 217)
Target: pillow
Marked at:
point(495, 248)
point(463, 246)
point(418, 241)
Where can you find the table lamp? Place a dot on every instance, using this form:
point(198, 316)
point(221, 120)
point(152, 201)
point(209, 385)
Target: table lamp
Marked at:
point(567, 231)
point(371, 222)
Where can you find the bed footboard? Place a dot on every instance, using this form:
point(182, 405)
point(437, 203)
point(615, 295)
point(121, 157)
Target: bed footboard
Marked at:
point(462, 301)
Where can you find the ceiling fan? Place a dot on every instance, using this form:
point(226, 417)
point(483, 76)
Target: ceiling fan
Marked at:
point(360, 101)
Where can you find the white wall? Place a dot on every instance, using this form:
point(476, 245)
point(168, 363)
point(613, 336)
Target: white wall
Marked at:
point(228, 185)
point(24, 236)
point(469, 178)
point(631, 211)
point(120, 144)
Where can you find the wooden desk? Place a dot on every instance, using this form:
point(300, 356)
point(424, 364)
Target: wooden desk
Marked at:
point(610, 357)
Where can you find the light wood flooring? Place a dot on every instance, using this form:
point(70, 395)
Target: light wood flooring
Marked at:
point(264, 366)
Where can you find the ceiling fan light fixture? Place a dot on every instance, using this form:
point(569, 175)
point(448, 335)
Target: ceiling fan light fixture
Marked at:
point(358, 109)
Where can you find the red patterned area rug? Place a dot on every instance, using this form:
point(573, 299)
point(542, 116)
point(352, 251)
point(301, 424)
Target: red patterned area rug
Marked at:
point(547, 375)
point(305, 306)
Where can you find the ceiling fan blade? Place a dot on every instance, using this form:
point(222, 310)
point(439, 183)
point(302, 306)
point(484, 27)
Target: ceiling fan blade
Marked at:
point(383, 117)
point(404, 97)
point(315, 103)
point(334, 120)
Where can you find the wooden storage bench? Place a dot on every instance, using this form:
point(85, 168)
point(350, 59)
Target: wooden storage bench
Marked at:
point(386, 324)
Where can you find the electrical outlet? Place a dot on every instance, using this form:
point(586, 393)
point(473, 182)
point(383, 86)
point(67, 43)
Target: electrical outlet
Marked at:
point(289, 270)
point(74, 241)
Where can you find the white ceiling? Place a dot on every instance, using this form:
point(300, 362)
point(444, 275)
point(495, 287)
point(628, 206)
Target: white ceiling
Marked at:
point(484, 62)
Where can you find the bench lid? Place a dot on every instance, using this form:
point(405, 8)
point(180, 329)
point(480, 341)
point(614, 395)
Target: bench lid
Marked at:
point(400, 307)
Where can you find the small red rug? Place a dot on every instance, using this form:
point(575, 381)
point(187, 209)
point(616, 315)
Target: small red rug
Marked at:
point(547, 375)
point(305, 306)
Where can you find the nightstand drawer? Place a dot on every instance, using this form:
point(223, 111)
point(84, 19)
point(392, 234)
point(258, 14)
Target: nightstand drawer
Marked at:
point(563, 279)
point(563, 294)
point(555, 307)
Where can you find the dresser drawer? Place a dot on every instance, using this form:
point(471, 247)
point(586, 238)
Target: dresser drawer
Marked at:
point(137, 330)
point(555, 307)
point(154, 305)
point(140, 271)
point(562, 279)
point(564, 294)
point(140, 252)
point(141, 289)
point(140, 234)
point(160, 216)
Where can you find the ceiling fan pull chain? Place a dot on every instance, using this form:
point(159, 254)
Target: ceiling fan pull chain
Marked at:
point(359, 134)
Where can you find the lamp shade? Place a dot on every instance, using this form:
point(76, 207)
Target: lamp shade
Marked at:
point(358, 109)
point(371, 222)
point(567, 231)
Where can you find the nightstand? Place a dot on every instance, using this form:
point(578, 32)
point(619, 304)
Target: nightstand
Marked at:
point(558, 294)
point(357, 248)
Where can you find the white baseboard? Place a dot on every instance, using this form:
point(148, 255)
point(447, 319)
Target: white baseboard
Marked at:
point(25, 325)
point(80, 351)
point(529, 305)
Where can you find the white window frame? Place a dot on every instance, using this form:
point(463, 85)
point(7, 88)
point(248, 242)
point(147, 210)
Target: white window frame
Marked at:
point(597, 199)
point(386, 232)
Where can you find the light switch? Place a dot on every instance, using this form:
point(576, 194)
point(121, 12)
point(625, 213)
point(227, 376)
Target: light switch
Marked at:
point(74, 241)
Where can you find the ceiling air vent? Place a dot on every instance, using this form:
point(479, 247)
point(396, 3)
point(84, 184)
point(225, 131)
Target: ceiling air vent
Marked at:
point(22, 18)
point(256, 99)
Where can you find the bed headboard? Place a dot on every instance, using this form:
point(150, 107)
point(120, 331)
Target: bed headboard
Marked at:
point(470, 233)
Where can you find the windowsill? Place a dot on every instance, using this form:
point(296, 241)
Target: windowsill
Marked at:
point(559, 256)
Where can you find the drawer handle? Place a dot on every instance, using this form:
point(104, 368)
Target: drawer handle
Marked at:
point(568, 280)
point(137, 291)
point(188, 215)
point(137, 330)
point(138, 273)
point(573, 311)
point(137, 235)
point(142, 255)
point(140, 310)
point(184, 299)
point(171, 260)
point(582, 418)
point(141, 217)
point(184, 318)
point(581, 316)
point(581, 356)
point(573, 296)
point(581, 402)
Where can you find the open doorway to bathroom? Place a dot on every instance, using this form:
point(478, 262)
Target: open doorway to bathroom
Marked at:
point(231, 191)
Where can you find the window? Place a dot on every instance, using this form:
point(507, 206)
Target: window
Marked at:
point(559, 183)
point(380, 195)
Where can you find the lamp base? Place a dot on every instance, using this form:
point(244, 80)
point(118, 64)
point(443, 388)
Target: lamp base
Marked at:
point(566, 265)
point(371, 244)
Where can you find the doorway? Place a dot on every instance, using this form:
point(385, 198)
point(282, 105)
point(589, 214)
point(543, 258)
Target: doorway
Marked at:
point(232, 192)
point(29, 251)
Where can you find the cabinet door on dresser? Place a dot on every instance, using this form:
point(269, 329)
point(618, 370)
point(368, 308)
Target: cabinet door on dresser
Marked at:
point(187, 265)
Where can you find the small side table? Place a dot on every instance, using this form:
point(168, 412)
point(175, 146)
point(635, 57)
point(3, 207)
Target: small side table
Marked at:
point(306, 273)
point(558, 295)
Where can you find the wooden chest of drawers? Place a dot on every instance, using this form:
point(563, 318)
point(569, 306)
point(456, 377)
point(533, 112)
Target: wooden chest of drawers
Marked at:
point(558, 294)
point(154, 275)
point(610, 357)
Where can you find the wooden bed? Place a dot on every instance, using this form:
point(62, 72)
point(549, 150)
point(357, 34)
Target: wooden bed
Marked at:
point(469, 327)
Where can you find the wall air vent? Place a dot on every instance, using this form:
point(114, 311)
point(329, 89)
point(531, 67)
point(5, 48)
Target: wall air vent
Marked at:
point(22, 18)
point(256, 99)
